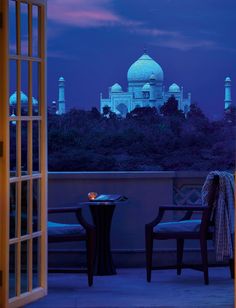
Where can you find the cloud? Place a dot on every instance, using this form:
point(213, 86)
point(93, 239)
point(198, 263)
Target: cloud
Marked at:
point(61, 55)
point(174, 39)
point(154, 32)
point(99, 13)
point(186, 44)
point(85, 14)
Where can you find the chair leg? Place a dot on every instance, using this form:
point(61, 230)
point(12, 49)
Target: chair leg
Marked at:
point(203, 244)
point(180, 250)
point(149, 248)
point(90, 256)
point(231, 267)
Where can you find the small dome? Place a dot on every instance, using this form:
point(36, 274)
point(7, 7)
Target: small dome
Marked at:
point(143, 68)
point(174, 88)
point(227, 79)
point(61, 79)
point(146, 87)
point(117, 112)
point(116, 88)
point(23, 99)
point(13, 122)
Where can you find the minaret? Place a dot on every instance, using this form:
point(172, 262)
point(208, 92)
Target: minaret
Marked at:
point(189, 98)
point(228, 100)
point(152, 82)
point(61, 97)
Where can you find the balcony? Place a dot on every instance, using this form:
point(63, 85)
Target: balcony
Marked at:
point(146, 191)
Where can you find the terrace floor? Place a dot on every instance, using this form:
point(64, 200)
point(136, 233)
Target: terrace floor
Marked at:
point(129, 289)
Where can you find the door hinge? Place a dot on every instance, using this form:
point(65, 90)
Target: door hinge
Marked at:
point(0, 278)
point(1, 20)
point(1, 149)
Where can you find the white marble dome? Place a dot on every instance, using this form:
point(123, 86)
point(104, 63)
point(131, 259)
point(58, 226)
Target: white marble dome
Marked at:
point(116, 88)
point(174, 88)
point(23, 98)
point(143, 68)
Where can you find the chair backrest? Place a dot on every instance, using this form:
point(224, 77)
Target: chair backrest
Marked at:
point(211, 187)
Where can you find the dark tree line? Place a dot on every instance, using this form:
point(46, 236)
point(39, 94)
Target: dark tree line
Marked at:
point(145, 140)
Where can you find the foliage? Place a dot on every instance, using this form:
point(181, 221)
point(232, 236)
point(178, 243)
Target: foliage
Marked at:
point(144, 140)
point(170, 108)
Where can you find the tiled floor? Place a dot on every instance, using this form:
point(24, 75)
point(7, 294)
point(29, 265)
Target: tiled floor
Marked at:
point(129, 289)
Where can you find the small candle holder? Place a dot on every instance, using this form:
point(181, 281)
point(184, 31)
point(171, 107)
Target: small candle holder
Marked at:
point(92, 195)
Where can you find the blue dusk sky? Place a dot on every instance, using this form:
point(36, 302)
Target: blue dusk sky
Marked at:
point(92, 43)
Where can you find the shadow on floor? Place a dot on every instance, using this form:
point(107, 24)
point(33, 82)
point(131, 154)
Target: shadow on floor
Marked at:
point(129, 289)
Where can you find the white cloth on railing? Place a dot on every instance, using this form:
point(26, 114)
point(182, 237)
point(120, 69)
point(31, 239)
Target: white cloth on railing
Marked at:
point(223, 213)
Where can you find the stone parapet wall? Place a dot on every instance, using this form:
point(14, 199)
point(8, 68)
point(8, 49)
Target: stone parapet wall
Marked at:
point(146, 191)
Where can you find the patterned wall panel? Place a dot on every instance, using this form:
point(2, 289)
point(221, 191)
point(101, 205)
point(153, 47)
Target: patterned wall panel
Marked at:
point(187, 194)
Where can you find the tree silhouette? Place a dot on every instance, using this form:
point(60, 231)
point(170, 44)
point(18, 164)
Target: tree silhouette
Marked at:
point(170, 107)
point(87, 141)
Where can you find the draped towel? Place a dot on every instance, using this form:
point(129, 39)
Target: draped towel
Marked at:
point(223, 213)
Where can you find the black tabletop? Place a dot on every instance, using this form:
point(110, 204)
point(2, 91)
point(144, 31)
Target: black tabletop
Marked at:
point(101, 203)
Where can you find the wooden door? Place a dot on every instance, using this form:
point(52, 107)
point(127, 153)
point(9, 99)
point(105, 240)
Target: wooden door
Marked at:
point(23, 152)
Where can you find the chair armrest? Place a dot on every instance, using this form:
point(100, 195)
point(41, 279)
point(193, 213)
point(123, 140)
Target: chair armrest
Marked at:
point(189, 208)
point(156, 220)
point(78, 212)
point(88, 227)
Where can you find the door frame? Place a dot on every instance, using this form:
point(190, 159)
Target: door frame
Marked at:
point(27, 297)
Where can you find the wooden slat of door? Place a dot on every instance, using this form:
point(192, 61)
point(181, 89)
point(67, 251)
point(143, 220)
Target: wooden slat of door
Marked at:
point(43, 144)
point(4, 160)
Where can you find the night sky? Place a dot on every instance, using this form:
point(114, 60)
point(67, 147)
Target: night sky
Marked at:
point(92, 43)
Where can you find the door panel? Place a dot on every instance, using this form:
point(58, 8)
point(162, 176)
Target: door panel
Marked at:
point(23, 163)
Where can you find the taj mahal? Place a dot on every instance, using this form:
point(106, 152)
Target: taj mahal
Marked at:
point(145, 88)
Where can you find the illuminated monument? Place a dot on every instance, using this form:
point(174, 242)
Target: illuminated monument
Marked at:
point(145, 88)
point(61, 96)
point(24, 104)
point(228, 99)
point(59, 107)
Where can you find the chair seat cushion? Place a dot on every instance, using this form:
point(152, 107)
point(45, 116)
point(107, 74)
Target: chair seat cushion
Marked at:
point(178, 226)
point(59, 229)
